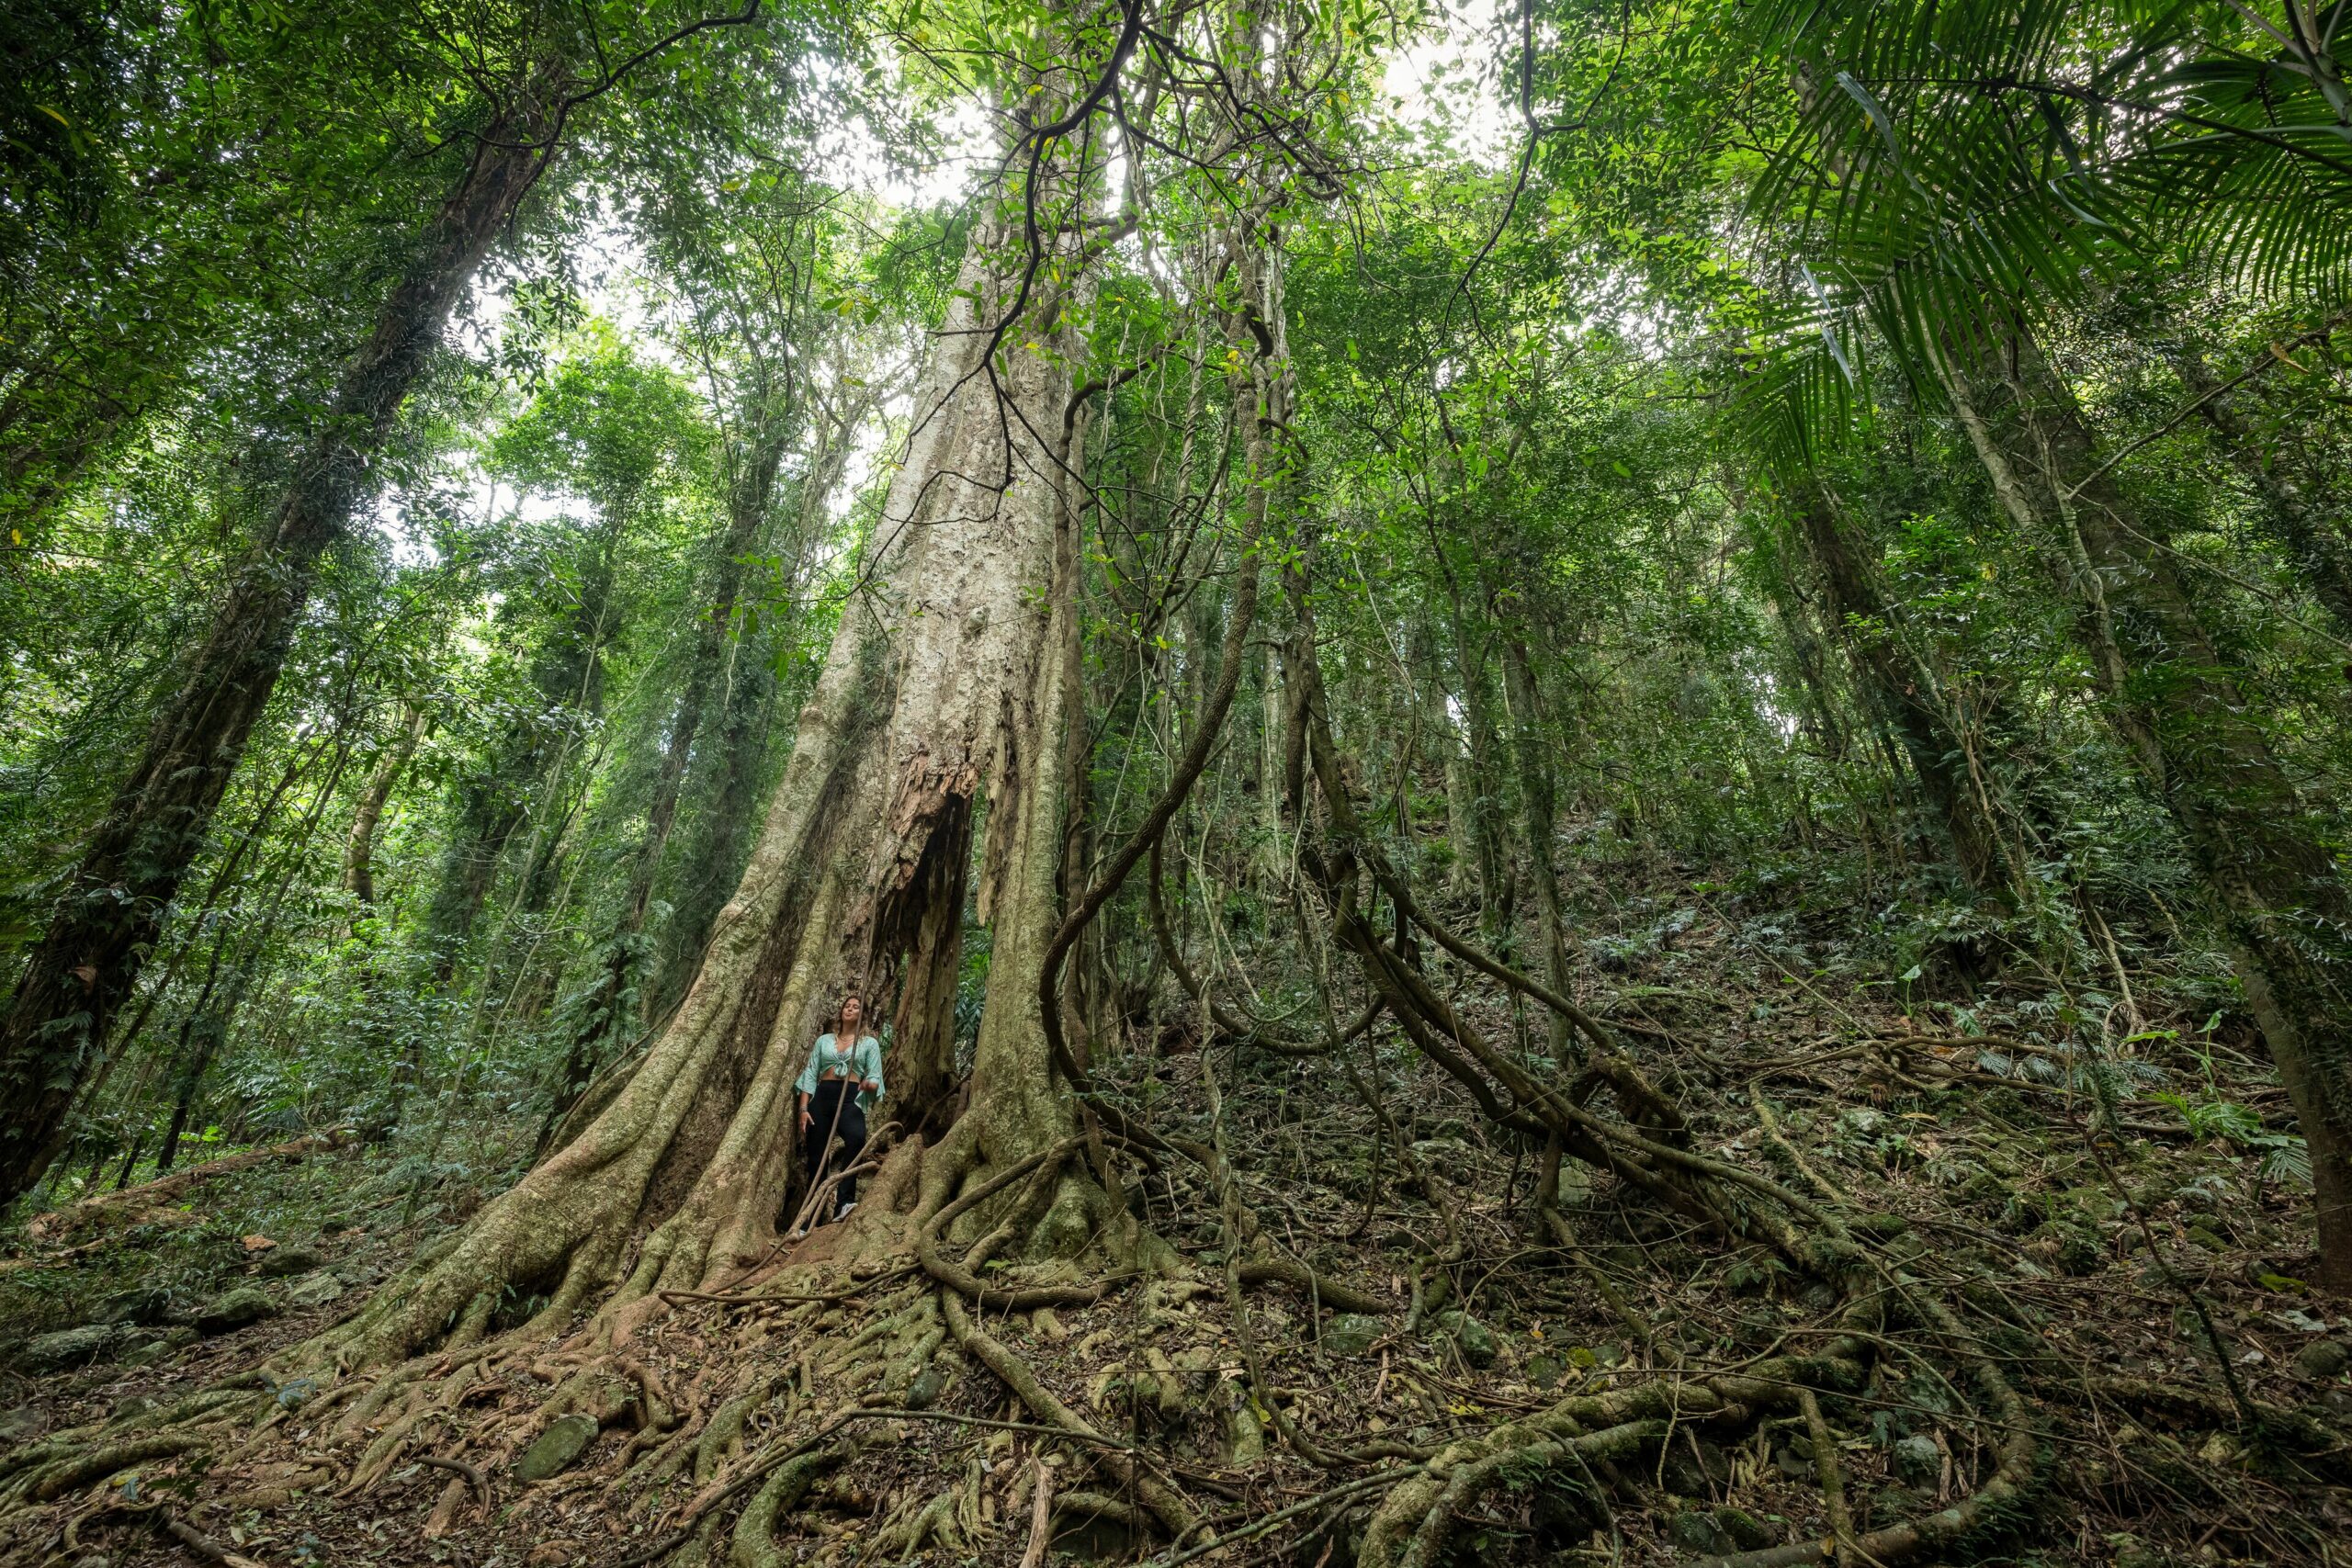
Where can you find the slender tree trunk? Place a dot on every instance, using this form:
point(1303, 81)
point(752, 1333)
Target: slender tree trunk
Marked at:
point(359, 848)
point(205, 1029)
point(1909, 691)
point(226, 878)
point(727, 812)
point(747, 512)
point(606, 1014)
point(47, 444)
point(200, 1032)
point(132, 866)
point(525, 783)
point(359, 880)
point(1461, 817)
point(1798, 626)
point(1540, 822)
point(717, 849)
point(2185, 713)
point(1497, 886)
point(490, 811)
point(191, 1078)
point(1273, 861)
point(1437, 739)
point(2315, 544)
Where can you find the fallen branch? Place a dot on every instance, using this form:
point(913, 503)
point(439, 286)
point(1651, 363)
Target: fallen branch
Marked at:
point(203, 1545)
point(1321, 1288)
point(1041, 1516)
point(59, 1223)
point(1833, 1480)
point(164, 1520)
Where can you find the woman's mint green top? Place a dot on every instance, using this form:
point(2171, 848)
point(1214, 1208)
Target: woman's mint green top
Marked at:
point(831, 1058)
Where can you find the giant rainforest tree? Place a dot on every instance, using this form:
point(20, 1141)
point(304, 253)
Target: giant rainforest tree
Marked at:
point(947, 692)
point(1709, 726)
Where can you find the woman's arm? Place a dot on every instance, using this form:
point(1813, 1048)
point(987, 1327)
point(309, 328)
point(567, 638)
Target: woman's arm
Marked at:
point(806, 1082)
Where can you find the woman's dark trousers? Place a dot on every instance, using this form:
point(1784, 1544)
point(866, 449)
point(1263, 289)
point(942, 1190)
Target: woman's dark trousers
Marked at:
point(835, 1113)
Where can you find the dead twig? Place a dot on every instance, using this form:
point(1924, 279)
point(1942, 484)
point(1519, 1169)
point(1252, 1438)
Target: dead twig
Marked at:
point(1041, 1516)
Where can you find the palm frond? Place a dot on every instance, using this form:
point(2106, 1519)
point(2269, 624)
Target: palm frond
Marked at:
point(1951, 159)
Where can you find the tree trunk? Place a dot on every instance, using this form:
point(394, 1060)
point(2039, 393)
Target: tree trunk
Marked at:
point(1464, 878)
point(1437, 740)
point(603, 1018)
point(2315, 545)
point(206, 1028)
point(1539, 821)
point(359, 849)
point(131, 868)
point(1907, 689)
point(2185, 714)
point(529, 764)
point(490, 812)
point(728, 797)
point(747, 511)
point(1498, 885)
point(1795, 613)
point(717, 849)
point(936, 690)
point(47, 443)
point(1274, 860)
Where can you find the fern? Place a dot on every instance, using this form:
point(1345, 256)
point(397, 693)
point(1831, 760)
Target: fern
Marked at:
point(2285, 1158)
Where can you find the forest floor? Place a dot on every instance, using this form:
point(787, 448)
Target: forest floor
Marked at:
point(2102, 1272)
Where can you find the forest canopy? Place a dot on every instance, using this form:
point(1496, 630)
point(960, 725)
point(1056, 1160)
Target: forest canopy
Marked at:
point(1170, 780)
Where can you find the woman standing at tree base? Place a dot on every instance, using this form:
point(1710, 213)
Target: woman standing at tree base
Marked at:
point(839, 1085)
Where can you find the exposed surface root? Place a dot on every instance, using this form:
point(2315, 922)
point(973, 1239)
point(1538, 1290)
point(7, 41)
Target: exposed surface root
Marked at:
point(1690, 1318)
point(1160, 1499)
